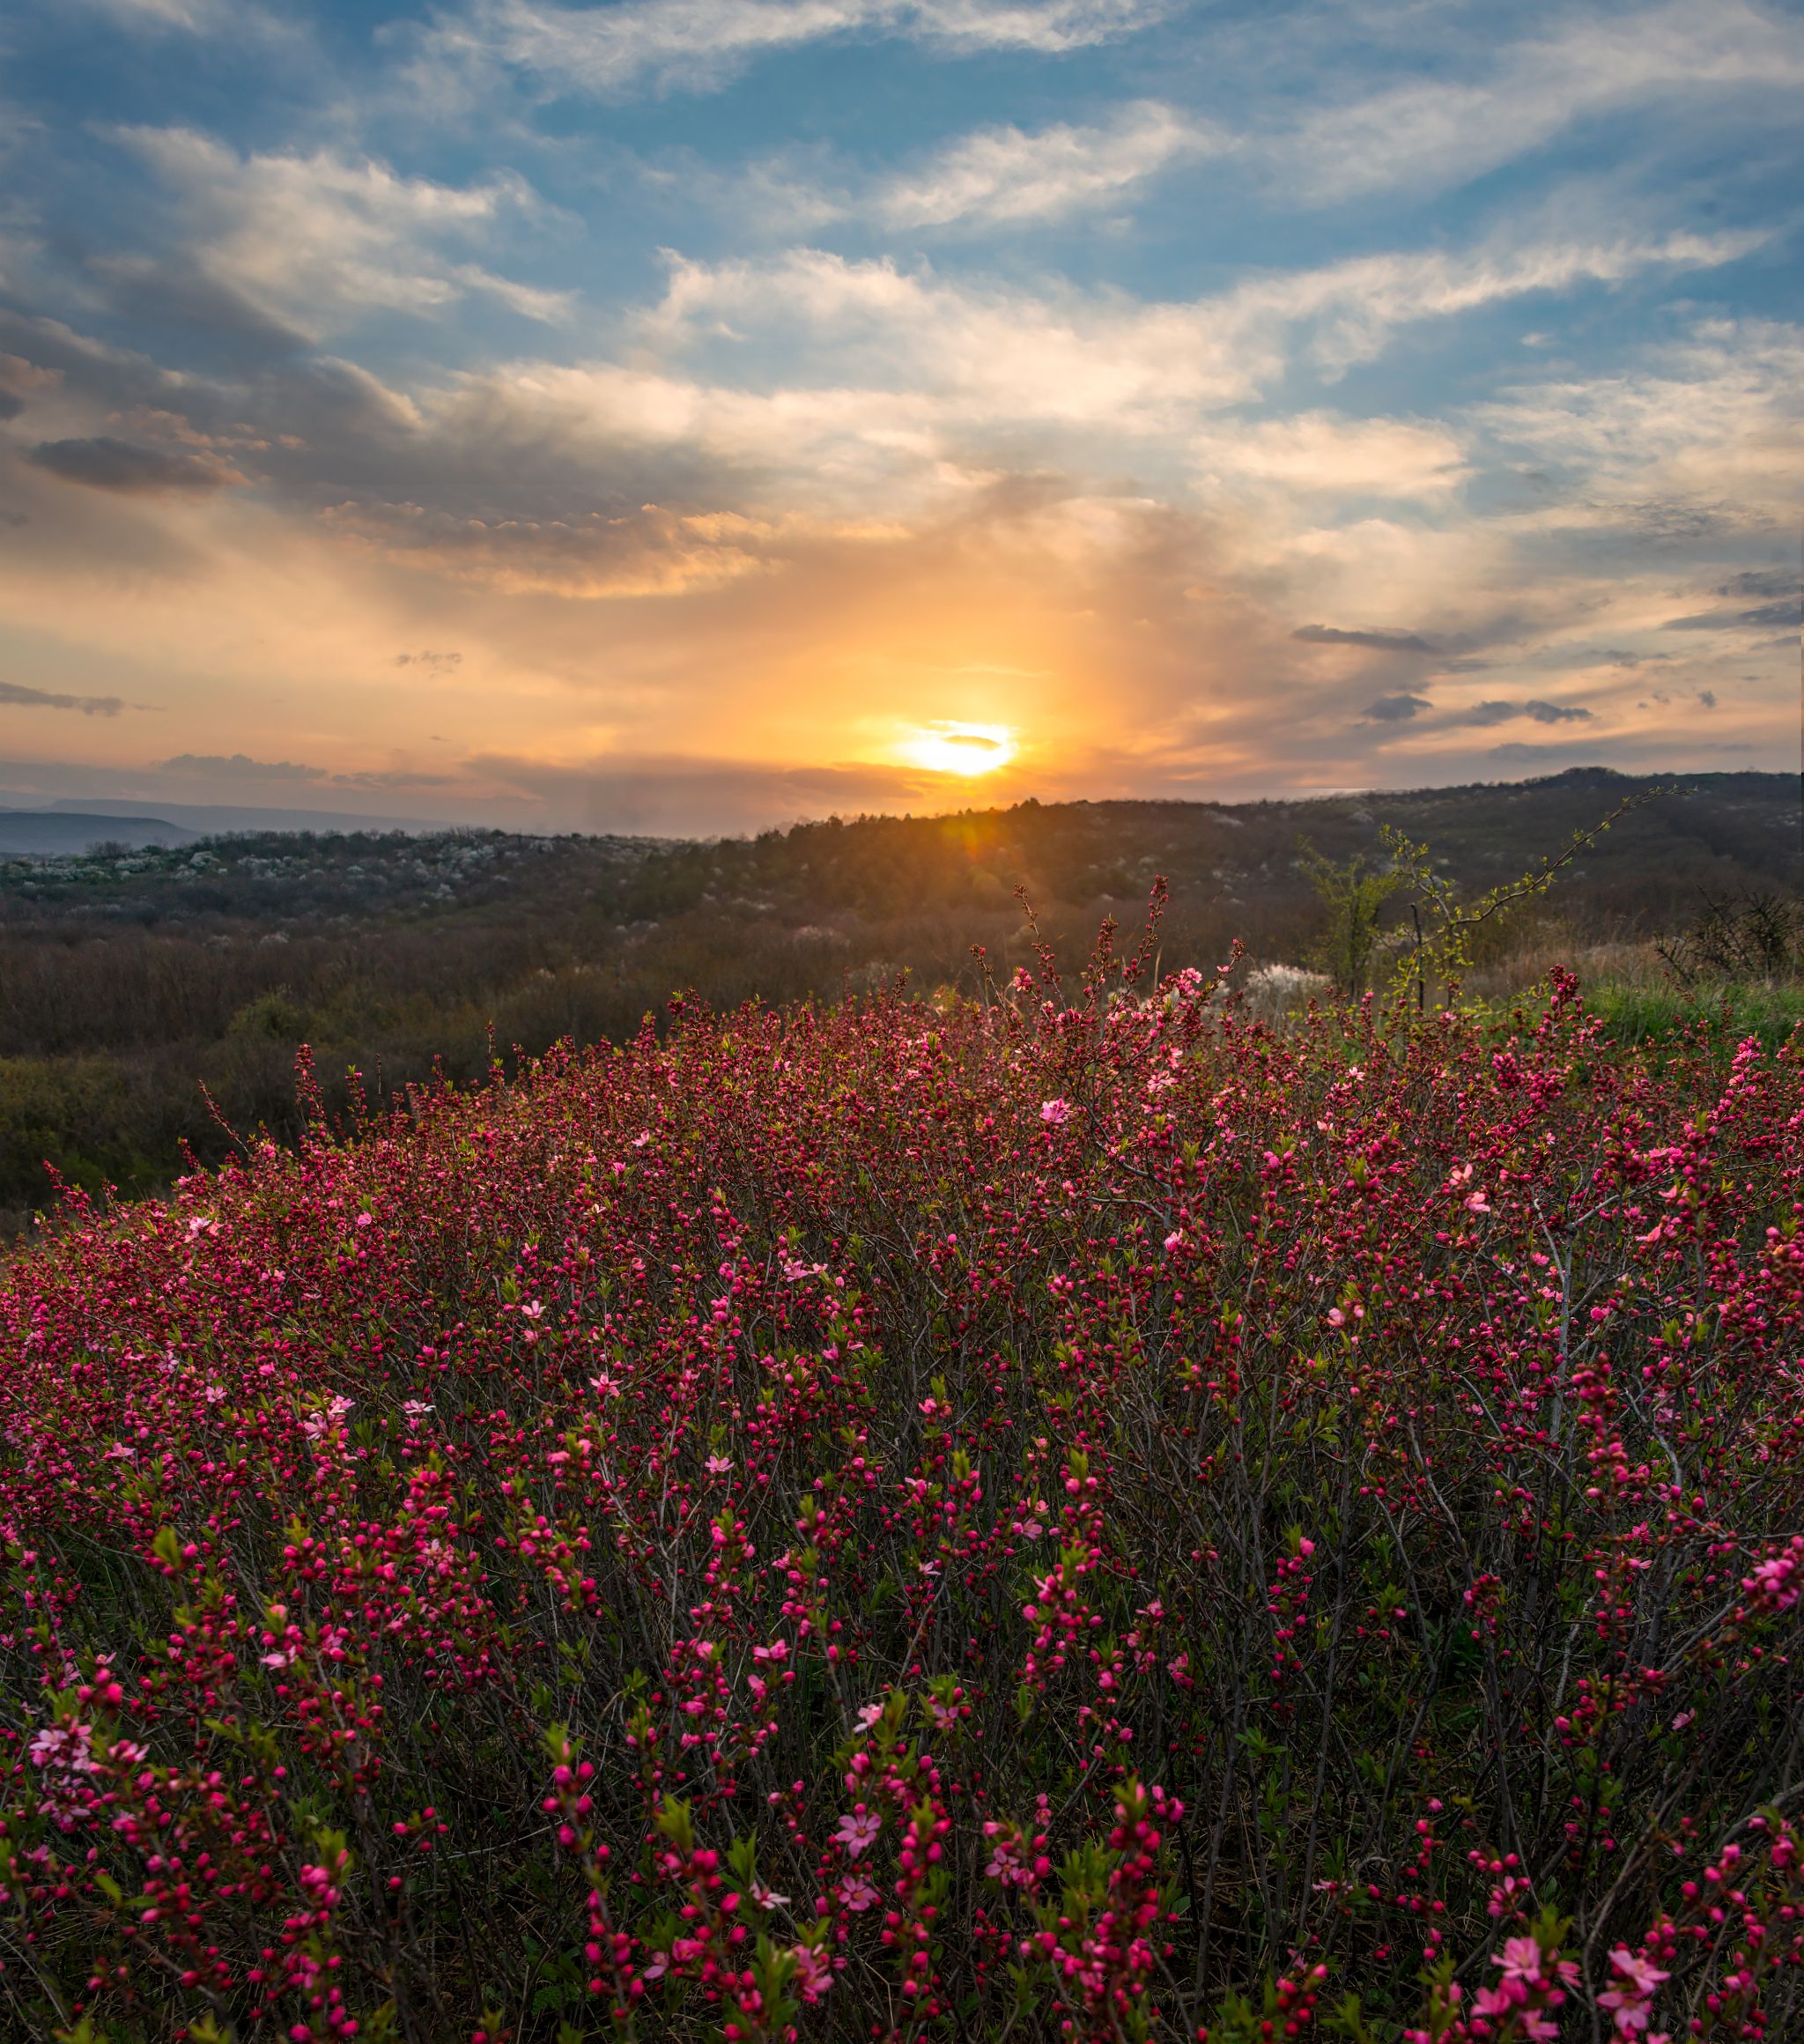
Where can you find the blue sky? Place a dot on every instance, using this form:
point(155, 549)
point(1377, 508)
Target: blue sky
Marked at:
point(690, 414)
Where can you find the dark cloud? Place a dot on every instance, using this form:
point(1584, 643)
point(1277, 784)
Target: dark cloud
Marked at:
point(43, 699)
point(1396, 709)
point(433, 662)
point(1380, 641)
point(648, 551)
point(1760, 581)
point(1762, 617)
point(240, 765)
point(1537, 711)
point(175, 294)
point(105, 463)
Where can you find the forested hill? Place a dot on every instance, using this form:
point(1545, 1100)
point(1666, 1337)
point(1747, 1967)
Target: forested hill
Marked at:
point(130, 979)
point(1716, 831)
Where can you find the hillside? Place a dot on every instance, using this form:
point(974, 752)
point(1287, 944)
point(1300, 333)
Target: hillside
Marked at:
point(129, 981)
point(1071, 1520)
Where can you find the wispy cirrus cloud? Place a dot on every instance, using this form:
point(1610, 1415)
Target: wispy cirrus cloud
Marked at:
point(1017, 177)
point(1442, 131)
point(700, 45)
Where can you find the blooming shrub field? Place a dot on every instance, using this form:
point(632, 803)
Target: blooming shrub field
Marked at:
point(1069, 1517)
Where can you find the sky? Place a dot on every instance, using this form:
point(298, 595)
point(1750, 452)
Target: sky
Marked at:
point(687, 416)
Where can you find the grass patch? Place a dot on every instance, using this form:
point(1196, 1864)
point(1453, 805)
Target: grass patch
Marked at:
point(1643, 1014)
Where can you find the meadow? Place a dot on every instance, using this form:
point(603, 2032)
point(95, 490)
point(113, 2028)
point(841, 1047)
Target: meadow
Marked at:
point(1063, 1514)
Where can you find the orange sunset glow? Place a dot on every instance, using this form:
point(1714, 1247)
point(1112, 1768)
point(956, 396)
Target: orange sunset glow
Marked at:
point(966, 749)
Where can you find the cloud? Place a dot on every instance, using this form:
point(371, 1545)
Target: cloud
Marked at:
point(1404, 708)
point(1006, 177)
point(650, 553)
point(302, 245)
point(1537, 712)
point(240, 766)
point(1438, 131)
point(700, 45)
point(105, 463)
point(1762, 617)
point(1060, 355)
point(1694, 440)
point(1763, 582)
point(1396, 709)
point(1378, 641)
point(1323, 454)
point(19, 696)
point(433, 662)
point(20, 382)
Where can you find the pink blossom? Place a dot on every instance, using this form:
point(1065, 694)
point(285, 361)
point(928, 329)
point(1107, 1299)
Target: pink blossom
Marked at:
point(857, 1831)
point(814, 1975)
point(1520, 1958)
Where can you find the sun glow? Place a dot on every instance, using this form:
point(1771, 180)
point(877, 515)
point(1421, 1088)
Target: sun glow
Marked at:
point(968, 749)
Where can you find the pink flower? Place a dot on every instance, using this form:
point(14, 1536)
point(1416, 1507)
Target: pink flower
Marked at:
point(857, 1893)
point(767, 1897)
point(1520, 1959)
point(869, 1715)
point(1779, 1581)
point(719, 1465)
point(1641, 1973)
point(1056, 1111)
point(857, 1831)
point(814, 1975)
point(1500, 2000)
point(1628, 2002)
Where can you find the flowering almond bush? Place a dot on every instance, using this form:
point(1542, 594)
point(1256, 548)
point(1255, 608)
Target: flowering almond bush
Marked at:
point(1072, 1517)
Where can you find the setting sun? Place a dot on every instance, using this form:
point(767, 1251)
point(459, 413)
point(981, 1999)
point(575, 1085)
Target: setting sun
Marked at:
point(961, 748)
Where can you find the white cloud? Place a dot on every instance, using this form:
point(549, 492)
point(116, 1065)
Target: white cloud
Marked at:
point(1096, 360)
point(1006, 176)
point(310, 243)
point(695, 45)
point(1319, 454)
point(1442, 131)
point(1715, 422)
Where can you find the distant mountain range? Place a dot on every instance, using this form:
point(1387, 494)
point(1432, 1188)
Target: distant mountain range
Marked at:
point(71, 825)
point(61, 832)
